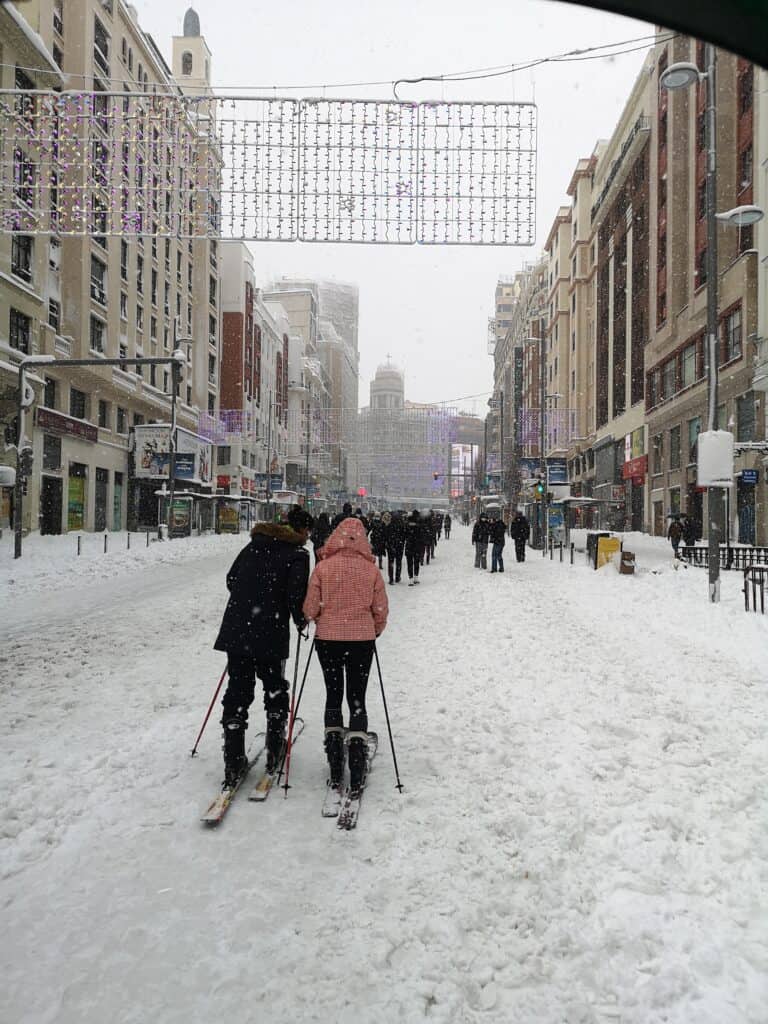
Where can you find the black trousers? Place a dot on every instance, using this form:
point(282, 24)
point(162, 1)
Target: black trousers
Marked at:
point(519, 550)
point(447, 533)
point(413, 561)
point(351, 659)
point(395, 563)
point(243, 670)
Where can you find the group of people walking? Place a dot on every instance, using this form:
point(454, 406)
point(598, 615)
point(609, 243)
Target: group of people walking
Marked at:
point(494, 532)
point(683, 528)
point(269, 585)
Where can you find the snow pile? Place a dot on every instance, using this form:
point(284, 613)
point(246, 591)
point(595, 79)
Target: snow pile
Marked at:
point(582, 838)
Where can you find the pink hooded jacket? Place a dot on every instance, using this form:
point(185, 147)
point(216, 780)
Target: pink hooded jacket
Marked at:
point(346, 595)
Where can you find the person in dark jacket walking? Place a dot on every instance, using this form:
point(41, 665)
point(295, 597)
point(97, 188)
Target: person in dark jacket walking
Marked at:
point(520, 531)
point(377, 539)
point(346, 512)
point(498, 535)
point(414, 546)
point(481, 533)
point(394, 542)
point(267, 585)
point(675, 534)
point(320, 534)
point(439, 519)
point(690, 531)
point(447, 526)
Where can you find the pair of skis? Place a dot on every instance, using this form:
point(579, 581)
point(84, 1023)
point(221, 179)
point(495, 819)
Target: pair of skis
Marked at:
point(220, 805)
point(344, 804)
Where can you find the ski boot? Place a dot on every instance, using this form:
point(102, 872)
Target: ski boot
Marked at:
point(235, 760)
point(358, 761)
point(334, 750)
point(275, 740)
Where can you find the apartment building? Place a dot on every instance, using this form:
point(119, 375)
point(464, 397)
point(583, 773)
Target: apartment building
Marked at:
point(30, 301)
point(676, 388)
point(130, 283)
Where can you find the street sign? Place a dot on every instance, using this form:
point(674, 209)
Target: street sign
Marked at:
point(749, 476)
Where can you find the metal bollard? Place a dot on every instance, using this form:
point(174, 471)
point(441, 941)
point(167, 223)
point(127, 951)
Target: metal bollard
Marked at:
point(147, 538)
point(106, 535)
point(129, 540)
point(78, 544)
point(573, 546)
point(551, 550)
point(561, 551)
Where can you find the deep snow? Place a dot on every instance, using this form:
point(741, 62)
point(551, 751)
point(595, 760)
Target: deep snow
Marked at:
point(583, 835)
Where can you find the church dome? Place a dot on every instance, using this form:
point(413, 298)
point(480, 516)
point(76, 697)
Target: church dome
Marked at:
point(191, 23)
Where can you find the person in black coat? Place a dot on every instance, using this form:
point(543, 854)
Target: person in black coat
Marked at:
point(377, 538)
point(346, 513)
point(498, 534)
point(414, 546)
point(320, 533)
point(394, 541)
point(520, 531)
point(447, 526)
point(267, 585)
point(481, 533)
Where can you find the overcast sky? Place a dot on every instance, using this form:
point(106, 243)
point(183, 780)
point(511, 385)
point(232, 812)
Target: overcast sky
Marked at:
point(426, 306)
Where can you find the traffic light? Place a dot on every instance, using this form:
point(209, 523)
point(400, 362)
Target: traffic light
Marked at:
point(540, 487)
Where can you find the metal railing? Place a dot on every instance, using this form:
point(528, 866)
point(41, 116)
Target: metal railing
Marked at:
point(730, 557)
point(755, 579)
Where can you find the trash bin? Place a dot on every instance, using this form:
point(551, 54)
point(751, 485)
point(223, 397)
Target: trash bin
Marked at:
point(627, 563)
point(593, 536)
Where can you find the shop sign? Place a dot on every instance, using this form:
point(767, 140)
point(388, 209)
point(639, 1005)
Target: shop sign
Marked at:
point(51, 420)
point(617, 492)
point(557, 471)
point(749, 476)
point(636, 469)
point(222, 481)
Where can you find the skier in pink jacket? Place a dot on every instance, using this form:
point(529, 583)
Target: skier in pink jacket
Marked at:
point(347, 601)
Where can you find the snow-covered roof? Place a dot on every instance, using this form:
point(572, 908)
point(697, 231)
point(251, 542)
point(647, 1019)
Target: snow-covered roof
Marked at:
point(35, 41)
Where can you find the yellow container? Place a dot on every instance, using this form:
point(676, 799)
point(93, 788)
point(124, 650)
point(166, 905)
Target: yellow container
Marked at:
point(607, 547)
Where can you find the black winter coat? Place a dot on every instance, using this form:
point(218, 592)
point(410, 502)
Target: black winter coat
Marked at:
point(414, 537)
point(498, 532)
point(481, 532)
point(520, 528)
point(377, 538)
point(394, 537)
point(267, 585)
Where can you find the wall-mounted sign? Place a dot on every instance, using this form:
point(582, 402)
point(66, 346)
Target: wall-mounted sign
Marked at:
point(51, 420)
point(749, 476)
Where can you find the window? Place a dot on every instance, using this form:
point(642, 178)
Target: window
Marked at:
point(674, 448)
point(730, 336)
point(98, 281)
point(212, 369)
point(24, 177)
point(694, 429)
point(77, 404)
point(745, 417)
point(123, 306)
point(746, 90)
point(167, 299)
point(153, 328)
point(212, 291)
point(745, 167)
point(121, 420)
point(211, 404)
point(140, 274)
point(668, 379)
point(122, 353)
point(674, 501)
point(51, 452)
point(223, 455)
point(186, 63)
point(212, 330)
point(49, 393)
point(20, 329)
point(189, 395)
point(98, 332)
point(104, 414)
point(21, 256)
point(657, 447)
point(689, 365)
point(139, 318)
point(100, 46)
point(701, 268)
point(701, 200)
point(153, 287)
point(99, 221)
point(58, 16)
point(123, 260)
point(138, 419)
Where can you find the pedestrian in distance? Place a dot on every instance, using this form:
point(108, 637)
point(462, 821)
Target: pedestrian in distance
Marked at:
point(347, 601)
point(498, 535)
point(439, 519)
point(414, 546)
point(377, 538)
point(480, 537)
point(447, 526)
point(674, 534)
point(346, 512)
point(394, 541)
point(520, 531)
point(690, 531)
point(366, 523)
point(321, 531)
point(267, 585)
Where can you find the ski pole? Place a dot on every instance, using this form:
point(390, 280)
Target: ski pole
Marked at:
point(398, 784)
point(294, 714)
point(208, 715)
point(291, 712)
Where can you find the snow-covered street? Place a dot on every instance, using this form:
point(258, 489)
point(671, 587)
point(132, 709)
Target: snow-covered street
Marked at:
point(583, 835)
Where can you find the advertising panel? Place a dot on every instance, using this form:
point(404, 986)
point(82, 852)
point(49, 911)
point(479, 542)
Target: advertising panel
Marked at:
point(180, 519)
point(151, 451)
point(193, 455)
point(228, 517)
point(557, 471)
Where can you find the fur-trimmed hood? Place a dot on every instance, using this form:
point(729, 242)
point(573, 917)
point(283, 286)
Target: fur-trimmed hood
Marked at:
point(277, 531)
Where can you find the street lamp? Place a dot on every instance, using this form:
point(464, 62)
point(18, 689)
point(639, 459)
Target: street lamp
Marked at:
point(680, 76)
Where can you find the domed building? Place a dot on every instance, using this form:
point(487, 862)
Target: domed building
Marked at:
point(388, 387)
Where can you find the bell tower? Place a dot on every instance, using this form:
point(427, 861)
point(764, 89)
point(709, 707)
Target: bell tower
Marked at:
point(192, 58)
